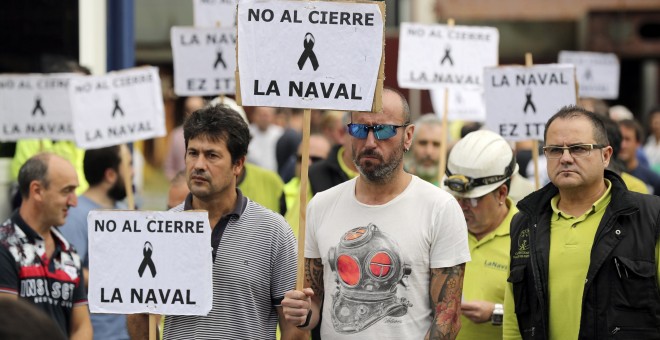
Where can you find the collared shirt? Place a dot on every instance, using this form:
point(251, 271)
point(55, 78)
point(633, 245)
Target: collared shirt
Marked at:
point(54, 284)
point(254, 258)
point(485, 276)
point(219, 228)
point(571, 240)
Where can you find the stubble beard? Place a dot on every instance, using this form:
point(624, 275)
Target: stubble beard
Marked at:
point(379, 173)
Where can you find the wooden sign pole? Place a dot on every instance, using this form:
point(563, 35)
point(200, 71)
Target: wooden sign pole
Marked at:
point(445, 128)
point(304, 170)
point(535, 142)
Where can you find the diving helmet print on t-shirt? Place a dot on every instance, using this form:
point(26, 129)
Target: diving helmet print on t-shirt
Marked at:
point(368, 268)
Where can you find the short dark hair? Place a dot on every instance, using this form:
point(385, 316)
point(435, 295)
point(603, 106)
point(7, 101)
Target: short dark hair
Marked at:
point(96, 161)
point(573, 111)
point(34, 169)
point(634, 125)
point(217, 123)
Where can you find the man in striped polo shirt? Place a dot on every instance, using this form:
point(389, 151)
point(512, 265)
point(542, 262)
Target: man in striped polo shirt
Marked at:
point(254, 250)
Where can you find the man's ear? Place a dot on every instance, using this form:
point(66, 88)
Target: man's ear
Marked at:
point(36, 190)
point(238, 165)
point(110, 175)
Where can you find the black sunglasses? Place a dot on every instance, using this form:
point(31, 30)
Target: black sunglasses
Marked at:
point(312, 159)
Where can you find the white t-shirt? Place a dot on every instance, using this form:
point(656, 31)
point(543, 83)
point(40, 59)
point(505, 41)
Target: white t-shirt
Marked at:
point(377, 258)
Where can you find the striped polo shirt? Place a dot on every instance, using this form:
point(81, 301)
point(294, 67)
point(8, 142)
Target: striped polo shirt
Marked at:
point(254, 265)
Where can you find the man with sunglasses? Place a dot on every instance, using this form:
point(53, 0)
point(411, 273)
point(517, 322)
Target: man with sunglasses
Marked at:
point(584, 249)
point(479, 171)
point(385, 252)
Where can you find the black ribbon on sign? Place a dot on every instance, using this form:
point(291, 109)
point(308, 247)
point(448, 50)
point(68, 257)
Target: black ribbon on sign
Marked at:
point(117, 108)
point(219, 60)
point(146, 261)
point(37, 107)
point(447, 56)
point(308, 53)
point(529, 102)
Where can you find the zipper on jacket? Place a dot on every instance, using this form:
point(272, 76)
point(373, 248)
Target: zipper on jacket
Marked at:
point(537, 277)
point(615, 330)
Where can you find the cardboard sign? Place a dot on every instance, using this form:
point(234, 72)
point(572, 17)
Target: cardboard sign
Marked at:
point(520, 100)
point(35, 106)
point(597, 73)
point(433, 56)
point(214, 13)
point(155, 262)
point(117, 108)
point(467, 105)
point(310, 54)
point(204, 60)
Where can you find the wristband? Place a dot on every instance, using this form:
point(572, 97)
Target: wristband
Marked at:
point(309, 317)
point(498, 315)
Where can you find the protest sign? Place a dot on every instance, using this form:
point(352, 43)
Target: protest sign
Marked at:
point(204, 60)
point(315, 55)
point(36, 106)
point(597, 73)
point(117, 108)
point(155, 262)
point(520, 100)
point(435, 56)
point(214, 13)
point(463, 104)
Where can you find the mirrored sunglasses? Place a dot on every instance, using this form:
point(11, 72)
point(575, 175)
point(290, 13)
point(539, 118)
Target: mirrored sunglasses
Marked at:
point(381, 131)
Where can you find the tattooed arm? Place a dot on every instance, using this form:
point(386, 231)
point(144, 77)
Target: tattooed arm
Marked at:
point(446, 292)
point(296, 304)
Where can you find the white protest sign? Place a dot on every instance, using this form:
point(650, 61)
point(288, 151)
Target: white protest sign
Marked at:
point(309, 54)
point(117, 108)
point(433, 56)
point(35, 106)
point(156, 262)
point(214, 13)
point(204, 60)
point(597, 73)
point(520, 100)
point(464, 104)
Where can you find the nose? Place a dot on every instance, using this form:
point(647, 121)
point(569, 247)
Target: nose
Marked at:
point(566, 157)
point(370, 141)
point(73, 200)
point(200, 162)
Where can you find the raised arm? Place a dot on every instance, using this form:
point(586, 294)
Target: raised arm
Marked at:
point(446, 292)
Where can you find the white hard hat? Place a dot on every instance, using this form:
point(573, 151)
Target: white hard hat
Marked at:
point(232, 104)
point(478, 164)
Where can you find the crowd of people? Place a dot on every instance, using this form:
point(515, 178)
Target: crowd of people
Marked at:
point(395, 248)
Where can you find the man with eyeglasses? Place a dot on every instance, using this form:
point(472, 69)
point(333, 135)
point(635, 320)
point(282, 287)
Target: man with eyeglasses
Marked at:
point(479, 171)
point(584, 249)
point(385, 252)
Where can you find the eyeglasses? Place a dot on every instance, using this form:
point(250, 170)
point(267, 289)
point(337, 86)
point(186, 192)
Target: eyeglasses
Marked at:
point(462, 183)
point(312, 159)
point(381, 131)
point(578, 150)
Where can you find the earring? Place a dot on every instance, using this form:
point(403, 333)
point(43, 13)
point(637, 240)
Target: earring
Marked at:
point(501, 203)
point(406, 150)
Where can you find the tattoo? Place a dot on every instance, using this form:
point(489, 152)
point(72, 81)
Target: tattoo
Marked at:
point(314, 276)
point(446, 291)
